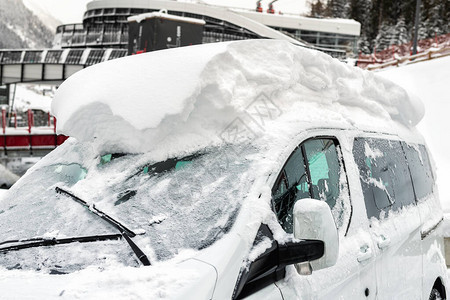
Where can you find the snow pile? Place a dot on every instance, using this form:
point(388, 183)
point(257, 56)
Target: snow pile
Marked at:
point(7, 178)
point(429, 80)
point(185, 97)
point(32, 97)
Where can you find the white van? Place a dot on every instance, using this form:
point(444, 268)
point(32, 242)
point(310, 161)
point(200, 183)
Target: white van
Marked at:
point(254, 169)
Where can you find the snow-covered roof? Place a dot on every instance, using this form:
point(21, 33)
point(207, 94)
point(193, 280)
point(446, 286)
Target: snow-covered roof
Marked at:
point(190, 95)
point(220, 13)
point(164, 15)
point(240, 16)
point(338, 26)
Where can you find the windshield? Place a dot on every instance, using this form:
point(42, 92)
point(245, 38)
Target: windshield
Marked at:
point(177, 204)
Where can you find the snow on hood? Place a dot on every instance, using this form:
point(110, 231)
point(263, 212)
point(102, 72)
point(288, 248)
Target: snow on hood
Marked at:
point(188, 95)
point(167, 281)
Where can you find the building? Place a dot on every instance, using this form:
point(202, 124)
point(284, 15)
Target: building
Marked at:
point(105, 25)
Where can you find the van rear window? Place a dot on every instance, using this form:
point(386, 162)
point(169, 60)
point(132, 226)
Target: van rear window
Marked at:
point(384, 175)
point(419, 165)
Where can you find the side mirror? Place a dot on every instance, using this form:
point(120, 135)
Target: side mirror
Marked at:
point(269, 267)
point(299, 252)
point(313, 221)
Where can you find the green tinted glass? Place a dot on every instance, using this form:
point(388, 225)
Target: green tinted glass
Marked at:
point(71, 173)
point(105, 159)
point(181, 164)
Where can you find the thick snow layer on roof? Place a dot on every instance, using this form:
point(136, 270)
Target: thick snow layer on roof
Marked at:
point(189, 95)
point(161, 14)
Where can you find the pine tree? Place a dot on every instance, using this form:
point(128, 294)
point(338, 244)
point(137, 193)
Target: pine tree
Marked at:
point(386, 22)
point(423, 22)
point(446, 14)
point(364, 45)
point(384, 37)
point(317, 9)
point(435, 19)
point(400, 34)
point(338, 8)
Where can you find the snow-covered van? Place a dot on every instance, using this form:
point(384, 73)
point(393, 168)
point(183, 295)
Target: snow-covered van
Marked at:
point(254, 169)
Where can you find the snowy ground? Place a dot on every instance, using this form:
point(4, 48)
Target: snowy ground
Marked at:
point(429, 81)
point(33, 97)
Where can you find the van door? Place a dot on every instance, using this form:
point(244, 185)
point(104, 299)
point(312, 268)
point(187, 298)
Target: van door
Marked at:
point(431, 217)
point(316, 170)
point(393, 216)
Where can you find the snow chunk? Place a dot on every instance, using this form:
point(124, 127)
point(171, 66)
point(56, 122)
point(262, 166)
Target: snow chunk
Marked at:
point(372, 153)
point(259, 249)
point(166, 99)
point(157, 219)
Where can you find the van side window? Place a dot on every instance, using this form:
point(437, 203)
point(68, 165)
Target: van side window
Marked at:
point(324, 167)
point(419, 166)
point(314, 170)
point(290, 186)
point(384, 175)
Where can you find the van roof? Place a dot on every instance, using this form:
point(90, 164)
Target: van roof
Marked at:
point(190, 96)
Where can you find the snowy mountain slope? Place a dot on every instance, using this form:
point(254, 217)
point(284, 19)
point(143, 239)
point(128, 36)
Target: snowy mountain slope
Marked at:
point(64, 11)
point(40, 11)
point(20, 28)
point(429, 81)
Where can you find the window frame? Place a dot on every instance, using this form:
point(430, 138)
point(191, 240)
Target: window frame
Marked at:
point(300, 146)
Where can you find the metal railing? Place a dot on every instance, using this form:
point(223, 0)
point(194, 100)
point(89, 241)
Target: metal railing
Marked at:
point(430, 54)
point(66, 56)
point(50, 65)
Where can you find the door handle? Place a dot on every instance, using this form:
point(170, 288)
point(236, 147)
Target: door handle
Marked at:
point(384, 242)
point(365, 253)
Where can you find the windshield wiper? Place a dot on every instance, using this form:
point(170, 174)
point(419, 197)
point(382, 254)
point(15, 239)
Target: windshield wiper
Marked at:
point(42, 242)
point(124, 231)
point(97, 212)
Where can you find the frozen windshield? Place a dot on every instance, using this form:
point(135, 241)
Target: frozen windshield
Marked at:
point(175, 204)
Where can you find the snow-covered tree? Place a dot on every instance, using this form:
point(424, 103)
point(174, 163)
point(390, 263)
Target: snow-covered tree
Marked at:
point(400, 34)
point(318, 9)
point(338, 8)
point(384, 37)
point(386, 22)
point(435, 19)
point(364, 45)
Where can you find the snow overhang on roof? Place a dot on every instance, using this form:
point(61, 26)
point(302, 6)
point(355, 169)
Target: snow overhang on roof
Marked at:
point(339, 26)
point(164, 15)
point(192, 94)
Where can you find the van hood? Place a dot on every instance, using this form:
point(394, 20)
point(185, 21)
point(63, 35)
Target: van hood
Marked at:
point(191, 279)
